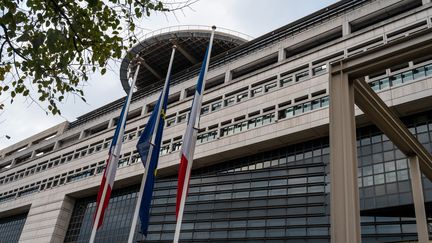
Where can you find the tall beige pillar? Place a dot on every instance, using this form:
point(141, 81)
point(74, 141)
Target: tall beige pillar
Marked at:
point(417, 193)
point(344, 194)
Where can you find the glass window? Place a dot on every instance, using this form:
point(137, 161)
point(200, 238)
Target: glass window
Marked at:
point(256, 91)
point(375, 85)
point(242, 97)
point(407, 76)
point(320, 69)
point(317, 231)
point(289, 112)
point(386, 229)
point(401, 164)
point(379, 179)
point(307, 106)
point(205, 110)
point(315, 104)
point(267, 119)
point(384, 83)
point(428, 70)
point(296, 231)
point(390, 166)
point(298, 109)
point(324, 101)
point(216, 106)
point(229, 101)
point(419, 72)
point(270, 87)
point(170, 122)
point(181, 118)
point(237, 128)
point(402, 175)
point(285, 81)
point(302, 76)
point(368, 181)
point(390, 177)
point(367, 170)
point(378, 168)
point(396, 79)
point(11, 227)
point(176, 145)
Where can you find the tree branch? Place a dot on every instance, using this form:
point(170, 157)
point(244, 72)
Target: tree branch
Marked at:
point(10, 43)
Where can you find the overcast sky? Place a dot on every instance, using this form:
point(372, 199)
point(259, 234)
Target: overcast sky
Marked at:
point(253, 17)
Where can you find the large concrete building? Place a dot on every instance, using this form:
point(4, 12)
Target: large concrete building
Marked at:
point(262, 163)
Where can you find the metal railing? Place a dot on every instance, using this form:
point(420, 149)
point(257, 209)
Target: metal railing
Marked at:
point(143, 36)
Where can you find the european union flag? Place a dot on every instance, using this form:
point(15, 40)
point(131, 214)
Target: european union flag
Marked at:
point(144, 146)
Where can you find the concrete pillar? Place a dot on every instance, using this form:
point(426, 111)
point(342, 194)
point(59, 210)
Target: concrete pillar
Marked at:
point(346, 28)
point(82, 134)
point(228, 76)
point(281, 54)
point(182, 94)
point(344, 193)
point(56, 145)
point(417, 193)
point(142, 112)
point(33, 154)
point(48, 220)
point(426, 2)
point(111, 123)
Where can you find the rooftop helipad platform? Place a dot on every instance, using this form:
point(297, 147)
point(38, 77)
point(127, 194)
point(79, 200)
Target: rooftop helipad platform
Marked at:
point(191, 41)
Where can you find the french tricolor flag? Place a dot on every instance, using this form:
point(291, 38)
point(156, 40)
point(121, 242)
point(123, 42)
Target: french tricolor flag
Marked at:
point(189, 141)
point(108, 177)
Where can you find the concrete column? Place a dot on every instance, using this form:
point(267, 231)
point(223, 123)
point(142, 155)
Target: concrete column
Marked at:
point(111, 123)
point(426, 1)
point(82, 134)
point(346, 28)
point(344, 194)
point(56, 145)
point(228, 76)
point(48, 220)
point(417, 193)
point(281, 54)
point(182, 94)
point(142, 111)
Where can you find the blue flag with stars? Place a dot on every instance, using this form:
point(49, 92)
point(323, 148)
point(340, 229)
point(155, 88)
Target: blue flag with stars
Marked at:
point(143, 147)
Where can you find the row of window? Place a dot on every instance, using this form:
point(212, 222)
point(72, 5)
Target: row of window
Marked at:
point(256, 90)
point(305, 107)
point(401, 78)
point(67, 157)
point(251, 123)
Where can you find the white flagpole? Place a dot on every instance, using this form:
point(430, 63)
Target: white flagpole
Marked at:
point(147, 163)
point(189, 164)
point(113, 158)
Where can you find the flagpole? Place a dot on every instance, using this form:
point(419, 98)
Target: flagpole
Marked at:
point(147, 163)
point(119, 138)
point(189, 164)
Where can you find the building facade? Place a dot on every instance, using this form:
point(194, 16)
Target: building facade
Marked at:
point(261, 169)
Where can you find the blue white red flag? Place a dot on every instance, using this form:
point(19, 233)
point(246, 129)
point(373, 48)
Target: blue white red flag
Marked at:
point(111, 165)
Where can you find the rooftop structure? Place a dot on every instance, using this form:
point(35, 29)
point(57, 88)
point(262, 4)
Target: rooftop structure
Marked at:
point(191, 41)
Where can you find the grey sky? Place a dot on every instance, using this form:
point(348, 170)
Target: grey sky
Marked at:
point(253, 17)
